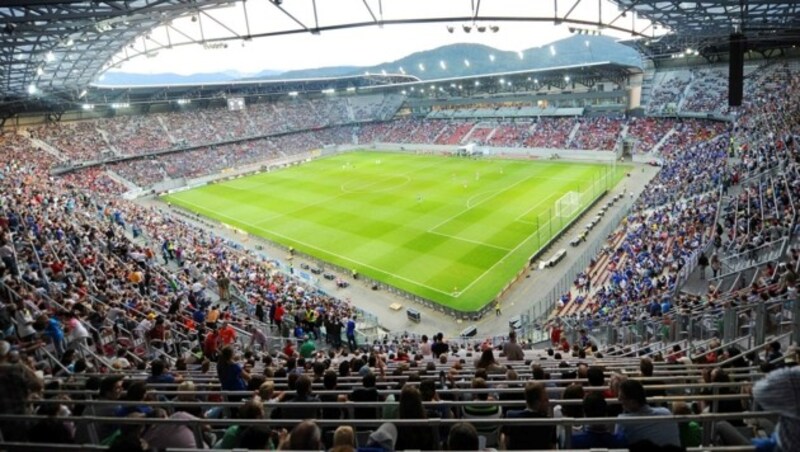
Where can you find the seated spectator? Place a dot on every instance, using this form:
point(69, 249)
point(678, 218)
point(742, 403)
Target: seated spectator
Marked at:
point(384, 438)
point(414, 436)
point(251, 409)
point(158, 374)
point(531, 437)
point(634, 404)
point(487, 362)
point(367, 393)
point(137, 392)
point(303, 395)
point(573, 392)
point(304, 436)
point(596, 435)
point(463, 436)
point(178, 436)
point(344, 437)
point(483, 412)
point(691, 432)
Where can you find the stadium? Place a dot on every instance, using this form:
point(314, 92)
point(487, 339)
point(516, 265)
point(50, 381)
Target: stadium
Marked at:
point(587, 245)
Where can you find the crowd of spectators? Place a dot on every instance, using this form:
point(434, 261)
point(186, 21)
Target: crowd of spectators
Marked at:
point(454, 132)
point(124, 135)
point(667, 94)
point(674, 219)
point(708, 91)
point(127, 304)
point(648, 132)
point(600, 133)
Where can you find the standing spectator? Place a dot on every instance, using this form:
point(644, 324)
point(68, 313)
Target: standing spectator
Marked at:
point(351, 333)
point(232, 377)
point(439, 346)
point(425, 346)
point(211, 345)
point(224, 286)
point(512, 349)
point(51, 329)
point(227, 334)
point(277, 316)
point(634, 403)
point(531, 437)
point(702, 262)
point(260, 311)
point(716, 265)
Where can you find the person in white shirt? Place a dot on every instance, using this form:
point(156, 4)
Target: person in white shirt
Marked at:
point(425, 346)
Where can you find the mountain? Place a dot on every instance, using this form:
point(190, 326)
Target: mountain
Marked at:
point(336, 71)
point(427, 65)
point(570, 51)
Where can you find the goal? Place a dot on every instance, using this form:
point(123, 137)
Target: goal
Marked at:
point(567, 205)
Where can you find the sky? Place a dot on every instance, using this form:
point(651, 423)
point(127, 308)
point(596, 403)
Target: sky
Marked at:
point(364, 46)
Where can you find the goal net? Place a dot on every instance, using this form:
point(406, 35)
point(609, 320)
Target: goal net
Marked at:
point(567, 205)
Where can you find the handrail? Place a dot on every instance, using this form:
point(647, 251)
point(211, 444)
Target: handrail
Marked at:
point(510, 387)
point(567, 421)
point(654, 400)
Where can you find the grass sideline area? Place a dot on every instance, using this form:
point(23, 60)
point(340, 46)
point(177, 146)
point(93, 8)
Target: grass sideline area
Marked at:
point(449, 229)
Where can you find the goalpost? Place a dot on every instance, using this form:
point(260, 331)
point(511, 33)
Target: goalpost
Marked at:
point(568, 205)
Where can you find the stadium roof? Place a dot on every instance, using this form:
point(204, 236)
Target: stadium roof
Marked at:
point(146, 94)
point(60, 46)
point(706, 26)
point(53, 49)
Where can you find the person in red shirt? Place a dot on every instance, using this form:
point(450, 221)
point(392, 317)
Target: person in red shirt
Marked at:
point(227, 334)
point(211, 345)
point(279, 313)
point(555, 335)
point(288, 349)
point(565, 345)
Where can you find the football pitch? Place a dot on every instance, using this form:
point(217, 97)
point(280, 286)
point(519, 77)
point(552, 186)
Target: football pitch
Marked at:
point(453, 230)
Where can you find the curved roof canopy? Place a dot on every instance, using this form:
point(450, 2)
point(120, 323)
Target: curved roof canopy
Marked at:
point(706, 26)
point(59, 47)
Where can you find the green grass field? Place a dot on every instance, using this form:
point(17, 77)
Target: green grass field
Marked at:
point(452, 230)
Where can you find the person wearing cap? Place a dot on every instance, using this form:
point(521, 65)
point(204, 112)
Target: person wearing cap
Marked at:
point(384, 438)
